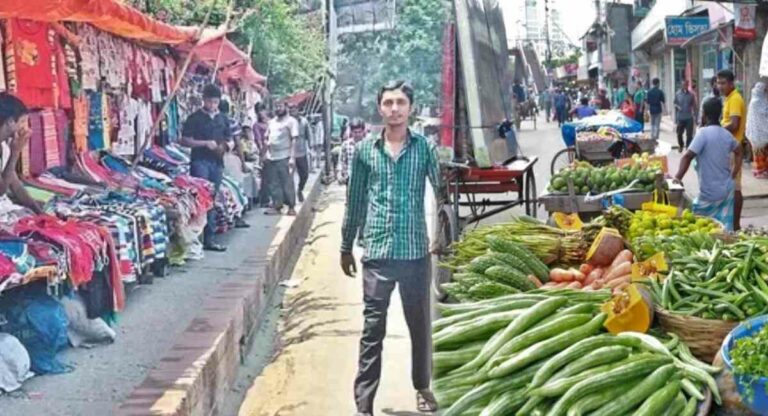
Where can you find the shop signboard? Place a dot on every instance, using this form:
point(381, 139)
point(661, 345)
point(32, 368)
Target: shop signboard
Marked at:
point(744, 21)
point(680, 29)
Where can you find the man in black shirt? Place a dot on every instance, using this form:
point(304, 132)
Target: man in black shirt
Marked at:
point(207, 133)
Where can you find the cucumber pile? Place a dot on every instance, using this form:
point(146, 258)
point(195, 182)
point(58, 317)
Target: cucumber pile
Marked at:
point(547, 354)
point(506, 268)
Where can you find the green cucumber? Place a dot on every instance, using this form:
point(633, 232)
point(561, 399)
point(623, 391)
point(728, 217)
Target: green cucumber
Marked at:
point(607, 379)
point(447, 397)
point(556, 388)
point(503, 245)
point(505, 404)
point(677, 407)
point(457, 358)
point(659, 401)
point(474, 330)
point(508, 275)
point(542, 332)
point(577, 350)
point(604, 355)
point(639, 393)
point(490, 389)
point(443, 323)
point(525, 320)
point(595, 400)
point(690, 408)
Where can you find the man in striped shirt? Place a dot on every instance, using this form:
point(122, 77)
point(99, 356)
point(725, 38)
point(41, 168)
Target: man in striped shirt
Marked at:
point(385, 198)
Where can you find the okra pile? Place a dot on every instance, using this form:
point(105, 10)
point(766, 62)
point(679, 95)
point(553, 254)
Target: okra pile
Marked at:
point(546, 353)
point(724, 281)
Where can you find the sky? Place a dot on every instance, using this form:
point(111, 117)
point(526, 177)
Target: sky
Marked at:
point(575, 16)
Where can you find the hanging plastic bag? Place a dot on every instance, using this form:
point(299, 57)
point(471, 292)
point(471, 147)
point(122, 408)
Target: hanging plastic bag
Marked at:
point(660, 205)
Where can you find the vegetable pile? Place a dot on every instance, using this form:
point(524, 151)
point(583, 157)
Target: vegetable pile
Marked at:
point(616, 276)
point(545, 353)
point(507, 267)
point(750, 357)
point(599, 180)
point(646, 223)
point(726, 282)
point(549, 244)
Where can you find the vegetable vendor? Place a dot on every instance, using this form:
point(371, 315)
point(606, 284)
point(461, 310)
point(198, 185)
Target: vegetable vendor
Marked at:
point(713, 147)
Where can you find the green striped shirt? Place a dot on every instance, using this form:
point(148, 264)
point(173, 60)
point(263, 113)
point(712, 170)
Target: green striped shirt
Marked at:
point(385, 199)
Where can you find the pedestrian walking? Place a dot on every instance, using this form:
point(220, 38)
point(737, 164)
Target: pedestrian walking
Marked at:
point(713, 148)
point(560, 101)
point(734, 119)
point(207, 133)
point(685, 105)
point(357, 132)
point(282, 132)
point(640, 106)
point(621, 95)
point(301, 151)
point(627, 107)
point(757, 128)
point(601, 101)
point(656, 103)
point(385, 198)
point(713, 92)
point(545, 102)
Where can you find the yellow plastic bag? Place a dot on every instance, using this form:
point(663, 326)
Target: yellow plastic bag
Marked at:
point(650, 268)
point(660, 205)
point(570, 222)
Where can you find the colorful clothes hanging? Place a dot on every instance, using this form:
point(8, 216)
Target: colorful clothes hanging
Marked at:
point(30, 58)
point(36, 155)
point(50, 139)
point(3, 85)
point(81, 124)
point(95, 121)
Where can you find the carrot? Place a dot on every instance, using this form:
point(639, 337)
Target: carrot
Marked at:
point(560, 275)
point(618, 281)
point(598, 284)
point(588, 289)
point(586, 268)
point(594, 275)
point(624, 255)
point(574, 285)
point(535, 280)
point(577, 275)
point(620, 270)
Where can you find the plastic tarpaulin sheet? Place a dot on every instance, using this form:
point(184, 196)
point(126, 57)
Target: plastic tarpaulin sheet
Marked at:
point(610, 119)
point(108, 15)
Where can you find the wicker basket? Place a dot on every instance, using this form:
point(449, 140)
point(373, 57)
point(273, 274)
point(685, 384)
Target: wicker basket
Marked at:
point(703, 336)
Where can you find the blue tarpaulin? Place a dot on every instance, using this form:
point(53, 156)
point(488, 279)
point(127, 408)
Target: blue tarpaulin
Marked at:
point(613, 119)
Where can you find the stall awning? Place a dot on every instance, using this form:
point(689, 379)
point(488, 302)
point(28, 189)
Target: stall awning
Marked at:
point(215, 49)
point(243, 73)
point(108, 15)
point(714, 34)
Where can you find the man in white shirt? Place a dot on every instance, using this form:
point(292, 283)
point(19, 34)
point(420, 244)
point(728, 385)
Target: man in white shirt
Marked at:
point(14, 135)
point(282, 133)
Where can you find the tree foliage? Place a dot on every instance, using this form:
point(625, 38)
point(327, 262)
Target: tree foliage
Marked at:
point(288, 44)
point(411, 51)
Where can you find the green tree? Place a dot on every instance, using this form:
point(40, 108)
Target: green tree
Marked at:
point(411, 51)
point(287, 46)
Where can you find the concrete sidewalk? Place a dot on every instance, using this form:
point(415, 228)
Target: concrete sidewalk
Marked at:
point(171, 333)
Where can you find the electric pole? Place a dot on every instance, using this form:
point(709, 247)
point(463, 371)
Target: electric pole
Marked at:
point(548, 58)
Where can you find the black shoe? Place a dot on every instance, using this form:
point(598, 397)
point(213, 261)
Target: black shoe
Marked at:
point(215, 247)
point(300, 196)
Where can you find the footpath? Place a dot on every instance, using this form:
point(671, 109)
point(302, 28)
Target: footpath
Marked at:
point(314, 358)
point(181, 340)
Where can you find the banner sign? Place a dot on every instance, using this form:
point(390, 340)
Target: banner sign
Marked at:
point(744, 21)
point(680, 29)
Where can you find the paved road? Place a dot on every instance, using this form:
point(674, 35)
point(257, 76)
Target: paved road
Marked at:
point(155, 315)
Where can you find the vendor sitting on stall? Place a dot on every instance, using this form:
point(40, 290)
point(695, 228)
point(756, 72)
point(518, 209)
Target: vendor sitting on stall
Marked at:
point(713, 148)
point(14, 135)
point(584, 110)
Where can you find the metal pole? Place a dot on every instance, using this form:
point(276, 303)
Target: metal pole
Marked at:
point(599, 46)
point(330, 17)
point(546, 32)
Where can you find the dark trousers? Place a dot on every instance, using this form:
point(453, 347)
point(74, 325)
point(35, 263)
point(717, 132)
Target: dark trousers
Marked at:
point(283, 190)
point(379, 280)
point(213, 172)
point(687, 126)
point(302, 168)
point(561, 113)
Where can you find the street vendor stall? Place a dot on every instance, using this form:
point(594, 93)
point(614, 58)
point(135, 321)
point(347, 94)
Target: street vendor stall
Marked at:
point(552, 321)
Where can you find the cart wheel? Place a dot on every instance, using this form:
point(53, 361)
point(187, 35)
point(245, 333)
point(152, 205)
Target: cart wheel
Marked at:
point(445, 232)
point(562, 159)
point(531, 198)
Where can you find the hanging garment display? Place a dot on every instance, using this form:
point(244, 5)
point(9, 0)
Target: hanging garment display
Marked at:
point(50, 140)
point(30, 58)
point(81, 122)
point(89, 57)
point(95, 121)
point(3, 86)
